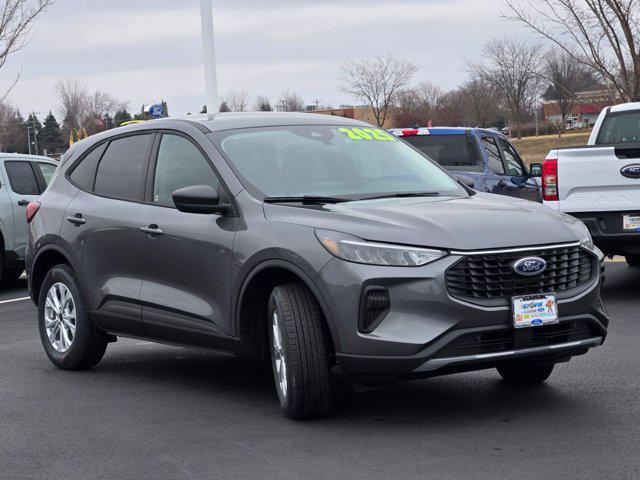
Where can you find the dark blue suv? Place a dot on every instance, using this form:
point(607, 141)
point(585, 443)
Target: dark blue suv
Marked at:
point(484, 159)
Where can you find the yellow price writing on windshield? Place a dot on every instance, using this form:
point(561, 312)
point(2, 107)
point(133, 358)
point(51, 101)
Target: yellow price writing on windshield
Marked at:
point(376, 134)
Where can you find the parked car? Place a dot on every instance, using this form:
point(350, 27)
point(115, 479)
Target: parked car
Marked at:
point(482, 158)
point(22, 179)
point(315, 241)
point(600, 183)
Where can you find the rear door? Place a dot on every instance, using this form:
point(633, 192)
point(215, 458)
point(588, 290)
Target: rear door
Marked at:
point(23, 187)
point(101, 227)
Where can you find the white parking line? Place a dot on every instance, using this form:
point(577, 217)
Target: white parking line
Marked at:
point(14, 300)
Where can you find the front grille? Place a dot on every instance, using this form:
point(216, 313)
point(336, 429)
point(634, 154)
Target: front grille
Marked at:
point(504, 340)
point(491, 276)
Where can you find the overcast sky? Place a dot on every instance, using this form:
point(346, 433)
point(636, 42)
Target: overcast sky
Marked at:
point(144, 50)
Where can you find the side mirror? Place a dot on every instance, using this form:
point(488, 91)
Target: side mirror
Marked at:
point(464, 181)
point(535, 170)
point(202, 199)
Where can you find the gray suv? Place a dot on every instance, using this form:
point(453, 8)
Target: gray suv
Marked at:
point(316, 242)
point(22, 179)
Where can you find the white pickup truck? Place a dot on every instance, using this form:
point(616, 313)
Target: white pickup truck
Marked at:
point(600, 183)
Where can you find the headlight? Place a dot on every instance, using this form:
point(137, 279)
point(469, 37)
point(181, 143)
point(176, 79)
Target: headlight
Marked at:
point(354, 249)
point(587, 243)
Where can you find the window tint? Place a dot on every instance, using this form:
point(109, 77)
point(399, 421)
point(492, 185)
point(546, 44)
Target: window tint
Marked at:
point(47, 171)
point(493, 155)
point(84, 173)
point(514, 167)
point(180, 164)
point(620, 128)
point(21, 178)
point(450, 151)
point(122, 168)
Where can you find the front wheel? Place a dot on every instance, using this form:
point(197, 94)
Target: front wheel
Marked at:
point(299, 355)
point(67, 334)
point(633, 260)
point(525, 373)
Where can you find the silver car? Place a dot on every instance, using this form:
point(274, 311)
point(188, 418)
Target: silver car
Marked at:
point(22, 179)
point(316, 242)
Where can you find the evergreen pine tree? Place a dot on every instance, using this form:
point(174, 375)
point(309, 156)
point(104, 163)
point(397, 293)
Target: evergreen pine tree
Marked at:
point(121, 117)
point(51, 138)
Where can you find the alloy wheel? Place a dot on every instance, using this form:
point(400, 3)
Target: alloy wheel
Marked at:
point(279, 357)
point(60, 317)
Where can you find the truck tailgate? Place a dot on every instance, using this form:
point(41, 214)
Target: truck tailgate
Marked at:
point(590, 179)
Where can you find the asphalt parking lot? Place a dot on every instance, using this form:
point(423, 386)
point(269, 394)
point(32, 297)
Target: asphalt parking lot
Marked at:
point(152, 411)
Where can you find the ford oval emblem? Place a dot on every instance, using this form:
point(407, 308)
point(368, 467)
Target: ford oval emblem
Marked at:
point(530, 266)
point(631, 171)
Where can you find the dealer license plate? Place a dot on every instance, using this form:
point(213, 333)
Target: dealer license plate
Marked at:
point(631, 223)
point(534, 310)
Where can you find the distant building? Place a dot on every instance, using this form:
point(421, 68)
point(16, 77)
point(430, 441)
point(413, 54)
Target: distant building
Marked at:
point(364, 114)
point(585, 111)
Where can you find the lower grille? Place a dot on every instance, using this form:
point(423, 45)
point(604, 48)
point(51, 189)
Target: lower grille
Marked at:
point(490, 277)
point(504, 340)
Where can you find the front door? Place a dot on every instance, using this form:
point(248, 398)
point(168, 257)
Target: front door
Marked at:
point(186, 257)
point(518, 182)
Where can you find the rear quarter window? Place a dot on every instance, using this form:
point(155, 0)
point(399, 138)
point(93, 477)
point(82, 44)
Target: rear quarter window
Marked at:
point(453, 152)
point(622, 127)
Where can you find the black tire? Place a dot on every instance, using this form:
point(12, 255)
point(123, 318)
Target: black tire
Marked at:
point(88, 344)
point(304, 348)
point(525, 373)
point(633, 260)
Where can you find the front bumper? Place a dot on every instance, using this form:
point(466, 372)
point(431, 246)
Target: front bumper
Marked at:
point(427, 332)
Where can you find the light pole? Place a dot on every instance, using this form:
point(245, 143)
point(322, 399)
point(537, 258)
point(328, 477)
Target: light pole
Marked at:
point(209, 51)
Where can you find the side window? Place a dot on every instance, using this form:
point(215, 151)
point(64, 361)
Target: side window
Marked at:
point(22, 178)
point(513, 163)
point(122, 167)
point(47, 171)
point(180, 164)
point(84, 174)
point(493, 155)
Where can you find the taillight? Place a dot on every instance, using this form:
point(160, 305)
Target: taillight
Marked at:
point(550, 179)
point(409, 132)
point(32, 209)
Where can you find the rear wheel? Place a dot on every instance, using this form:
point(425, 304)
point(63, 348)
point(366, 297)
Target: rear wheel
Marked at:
point(525, 373)
point(67, 334)
point(633, 260)
point(299, 355)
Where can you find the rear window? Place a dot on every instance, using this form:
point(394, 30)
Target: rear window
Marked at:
point(623, 127)
point(450, 151)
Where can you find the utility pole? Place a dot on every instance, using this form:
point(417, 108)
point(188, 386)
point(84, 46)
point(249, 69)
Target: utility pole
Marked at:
point(209, 51)
point(29, 137)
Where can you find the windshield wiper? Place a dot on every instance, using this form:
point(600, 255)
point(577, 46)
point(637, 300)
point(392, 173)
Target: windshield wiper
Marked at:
point(403, 195)
point(306, 199)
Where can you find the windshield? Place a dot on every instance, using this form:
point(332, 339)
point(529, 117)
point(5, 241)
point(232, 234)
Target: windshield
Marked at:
point(621, 127)
point(346, 162)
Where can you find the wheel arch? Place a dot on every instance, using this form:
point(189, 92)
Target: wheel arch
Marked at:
point(259, 282)
point(46, 258)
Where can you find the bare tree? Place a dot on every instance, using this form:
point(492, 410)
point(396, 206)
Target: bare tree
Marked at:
point(83, 109)
point(262, 104)
point(601, 34)
point(513, 69)
point(290, 102)
point(376, 82)
point(16, 19)
point(237, 100)
point(419, 105)
point(567, 77)
point(482, 101)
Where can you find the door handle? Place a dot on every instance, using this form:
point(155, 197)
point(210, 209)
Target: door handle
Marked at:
point(152, 230)
point(77, 219)
point(23, 203)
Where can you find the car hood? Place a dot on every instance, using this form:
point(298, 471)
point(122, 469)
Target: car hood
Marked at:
point(482, 221)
